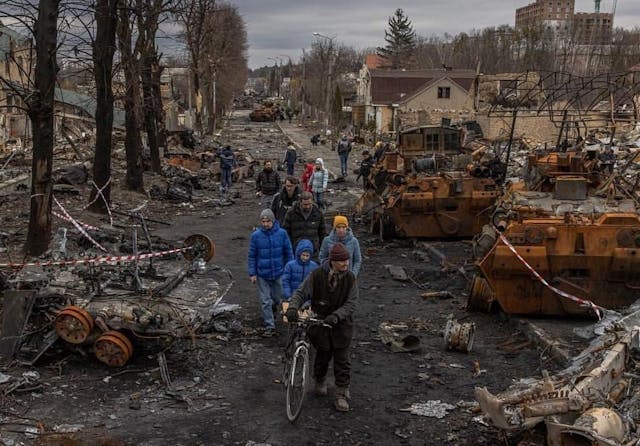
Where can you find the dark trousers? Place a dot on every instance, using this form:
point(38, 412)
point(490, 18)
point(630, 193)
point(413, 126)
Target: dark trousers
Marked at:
point(225, 178)
point(290, 168)
point(341, 365)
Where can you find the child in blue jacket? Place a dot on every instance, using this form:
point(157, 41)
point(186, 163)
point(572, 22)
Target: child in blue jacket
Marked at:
point(298, 269)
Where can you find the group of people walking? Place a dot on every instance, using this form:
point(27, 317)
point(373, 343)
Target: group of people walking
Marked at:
point(292, 258)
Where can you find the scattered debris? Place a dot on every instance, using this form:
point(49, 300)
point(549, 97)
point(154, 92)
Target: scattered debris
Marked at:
point(433, 408)
point(458, 336)
point(395, 337)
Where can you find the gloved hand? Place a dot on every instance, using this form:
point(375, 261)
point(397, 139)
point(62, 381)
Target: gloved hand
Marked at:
point(332, 320)
point(292, 314)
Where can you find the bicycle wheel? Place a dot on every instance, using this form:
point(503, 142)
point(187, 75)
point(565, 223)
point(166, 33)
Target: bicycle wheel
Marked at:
point(297, 384)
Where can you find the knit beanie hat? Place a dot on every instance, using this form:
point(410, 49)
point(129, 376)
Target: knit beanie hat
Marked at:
point(338, 253)
point(340, 220)
point(267, 214)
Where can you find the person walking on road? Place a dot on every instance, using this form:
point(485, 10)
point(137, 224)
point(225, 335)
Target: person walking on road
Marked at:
point(267, 183)
point(344, 149)
point(227, 163)
point(342, 233)
point(305, 220)
point(365, 168)
point(283, 200)
point(290, 158)
point(298, 269)
point(318, 181)
point(306, 176)
point(269, 251)
point(333, 292)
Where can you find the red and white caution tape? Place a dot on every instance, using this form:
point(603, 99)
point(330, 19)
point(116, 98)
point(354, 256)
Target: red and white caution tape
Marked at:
point(109, 260)
point(101, 195)
point(583, 302)
point(78, 227)
point(84, 225)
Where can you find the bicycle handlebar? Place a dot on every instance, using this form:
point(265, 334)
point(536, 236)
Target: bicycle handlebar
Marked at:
point(313, 321)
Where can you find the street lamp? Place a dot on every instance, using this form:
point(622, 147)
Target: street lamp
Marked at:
point(327, 99)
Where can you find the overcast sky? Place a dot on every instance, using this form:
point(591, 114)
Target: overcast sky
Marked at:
point(280, 28)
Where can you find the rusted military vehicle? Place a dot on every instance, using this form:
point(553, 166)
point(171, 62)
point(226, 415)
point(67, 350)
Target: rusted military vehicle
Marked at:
point(557, 245)
point(420, 190)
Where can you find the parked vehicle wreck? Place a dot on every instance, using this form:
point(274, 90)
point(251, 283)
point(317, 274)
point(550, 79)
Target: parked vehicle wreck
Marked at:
point(429, 189)
point(556, 246)
point(107, 308)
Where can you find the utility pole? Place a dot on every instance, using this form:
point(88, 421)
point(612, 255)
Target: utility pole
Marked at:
point(303, 84)
point(329, 92)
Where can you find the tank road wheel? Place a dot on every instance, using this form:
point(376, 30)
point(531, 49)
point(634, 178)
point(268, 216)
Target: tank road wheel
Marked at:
point(201, 246)
point(113, 348)
point(73, 324)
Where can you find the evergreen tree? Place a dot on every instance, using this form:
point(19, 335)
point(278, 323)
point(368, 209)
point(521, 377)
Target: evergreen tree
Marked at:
point(401, 41)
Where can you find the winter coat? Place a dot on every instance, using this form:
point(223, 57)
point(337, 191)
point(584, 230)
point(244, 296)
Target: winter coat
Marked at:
point(344, 146)
point(282, 202)
point(319, 180)
point(365, 167)
point(341, 302)
point(269, 252)
point(298, 227)
point(350, 242)
point(306, 176)
point(296, 270)
point(268, 182)
point(290, 156)
point(227, 158)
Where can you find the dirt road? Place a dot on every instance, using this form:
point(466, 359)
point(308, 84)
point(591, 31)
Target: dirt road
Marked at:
point(227, 387)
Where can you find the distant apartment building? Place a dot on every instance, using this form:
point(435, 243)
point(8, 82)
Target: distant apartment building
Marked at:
point(556, 15)
point(592, 28)
point(559, 16)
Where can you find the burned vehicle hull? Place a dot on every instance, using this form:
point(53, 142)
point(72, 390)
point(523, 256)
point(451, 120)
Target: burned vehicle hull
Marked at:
point(448, 205)
point(588, 260)
point(429, 190)
point(557, 245)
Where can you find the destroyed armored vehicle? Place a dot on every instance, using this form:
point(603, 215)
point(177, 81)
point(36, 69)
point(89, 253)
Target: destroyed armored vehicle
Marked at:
point(561, 242)
point(110, 304)
point(428, 189)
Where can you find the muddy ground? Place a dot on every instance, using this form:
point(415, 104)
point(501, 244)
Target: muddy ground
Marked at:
point(227, 385)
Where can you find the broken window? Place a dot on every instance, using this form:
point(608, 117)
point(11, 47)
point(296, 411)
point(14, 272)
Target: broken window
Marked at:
point(444, 92)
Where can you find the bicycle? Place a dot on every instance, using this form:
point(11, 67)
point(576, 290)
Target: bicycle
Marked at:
point(296, 364)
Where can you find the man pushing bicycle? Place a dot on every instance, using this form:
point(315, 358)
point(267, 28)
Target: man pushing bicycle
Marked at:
point(333, 291)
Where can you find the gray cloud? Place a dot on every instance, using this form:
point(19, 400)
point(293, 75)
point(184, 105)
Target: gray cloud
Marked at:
point(284, 27)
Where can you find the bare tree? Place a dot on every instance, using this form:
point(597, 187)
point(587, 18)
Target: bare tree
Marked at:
point(39, 20)
point(192, 15)
point(104, 46)
point(133, 145)
point(40, 110)
point(225, 57)
point(148, 14)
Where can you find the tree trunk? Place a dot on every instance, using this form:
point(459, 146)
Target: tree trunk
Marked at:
point(133, 145)
point(40, 111)
point(149, 109)
point(156, 73)
point(103, 50)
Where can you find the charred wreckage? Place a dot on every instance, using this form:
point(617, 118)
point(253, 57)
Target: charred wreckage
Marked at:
point(556, 232)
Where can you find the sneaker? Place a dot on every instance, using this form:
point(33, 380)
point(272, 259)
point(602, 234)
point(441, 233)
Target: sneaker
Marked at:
point(269, 332)
point(342, 402)
point(321, 388)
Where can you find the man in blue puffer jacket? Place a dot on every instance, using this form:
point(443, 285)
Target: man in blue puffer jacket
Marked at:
point(269, 251)
point(298, 269)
